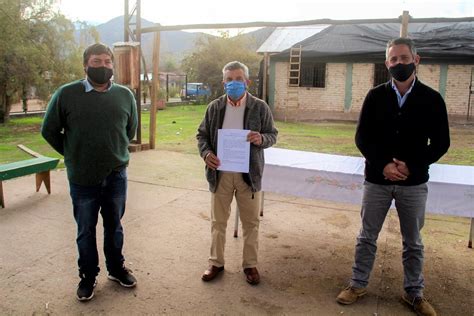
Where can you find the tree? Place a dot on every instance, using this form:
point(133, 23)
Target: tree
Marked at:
point(168, 63)
point(38, 50)
point(212, 53)
point(88, 34)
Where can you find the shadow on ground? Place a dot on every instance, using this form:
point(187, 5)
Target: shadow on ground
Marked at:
point(306, 252)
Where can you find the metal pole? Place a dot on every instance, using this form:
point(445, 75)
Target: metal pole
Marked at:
point(126, 19)
point(138, 92)
point(186, 87)
point(167, 88)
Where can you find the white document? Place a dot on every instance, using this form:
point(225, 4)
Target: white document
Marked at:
point(233, 150)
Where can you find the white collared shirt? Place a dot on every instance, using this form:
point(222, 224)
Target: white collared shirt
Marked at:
point(401, 100)
point(89, 87)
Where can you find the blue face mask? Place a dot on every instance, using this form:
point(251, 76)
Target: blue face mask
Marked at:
point(235, 89)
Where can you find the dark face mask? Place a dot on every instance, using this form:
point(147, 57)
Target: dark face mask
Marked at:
point(99, 75)
point(401, 72)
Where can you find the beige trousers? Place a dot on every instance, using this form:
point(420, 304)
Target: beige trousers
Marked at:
point(229, 184)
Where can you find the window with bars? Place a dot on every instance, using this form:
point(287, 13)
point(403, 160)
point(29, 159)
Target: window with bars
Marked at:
point(381, 74)
point(313, 75)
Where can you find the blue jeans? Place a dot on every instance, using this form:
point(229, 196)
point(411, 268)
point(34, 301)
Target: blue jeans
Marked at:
point(109, 198)
point(410, 202)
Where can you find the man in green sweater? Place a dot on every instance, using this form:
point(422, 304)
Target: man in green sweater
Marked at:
point(91, 122)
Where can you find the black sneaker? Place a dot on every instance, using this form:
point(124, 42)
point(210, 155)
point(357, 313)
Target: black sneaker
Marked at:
point(124, 277)
point(85, 289)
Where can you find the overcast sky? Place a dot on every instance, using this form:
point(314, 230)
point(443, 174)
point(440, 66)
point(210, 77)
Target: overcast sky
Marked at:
point(179, 12)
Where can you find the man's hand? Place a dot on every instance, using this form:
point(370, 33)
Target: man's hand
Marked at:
point(255, 138)
point(392, 173)
point(212, 161)
point(402, 166)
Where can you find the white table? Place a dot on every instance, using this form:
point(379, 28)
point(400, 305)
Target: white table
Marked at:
point(340, 178)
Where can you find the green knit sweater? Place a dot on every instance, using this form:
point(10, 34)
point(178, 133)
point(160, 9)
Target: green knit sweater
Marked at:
point(92, 130)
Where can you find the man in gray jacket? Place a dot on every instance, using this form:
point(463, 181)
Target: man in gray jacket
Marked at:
point(237, 109)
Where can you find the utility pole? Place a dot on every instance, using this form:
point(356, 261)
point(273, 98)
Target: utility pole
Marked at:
point(126, 34)
point(404, 26)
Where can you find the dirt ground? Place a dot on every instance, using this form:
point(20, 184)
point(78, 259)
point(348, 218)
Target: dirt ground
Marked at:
point(306, 253)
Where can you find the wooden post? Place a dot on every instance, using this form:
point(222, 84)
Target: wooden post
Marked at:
point(266, 58)
point(404, 26)
point(29, 151)
point(155, 89)
point(471, 232)
point(43, 177)
point(2, 199)
point(138, 90)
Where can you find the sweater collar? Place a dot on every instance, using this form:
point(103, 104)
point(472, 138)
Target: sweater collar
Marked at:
point(239, 102)
point(249, 102)
point(89, 87)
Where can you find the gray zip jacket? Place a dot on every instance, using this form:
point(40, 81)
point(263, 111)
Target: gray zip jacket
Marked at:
point(257, 117)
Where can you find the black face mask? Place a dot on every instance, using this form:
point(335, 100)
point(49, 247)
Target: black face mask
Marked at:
point(99, 75)
point(401, 72)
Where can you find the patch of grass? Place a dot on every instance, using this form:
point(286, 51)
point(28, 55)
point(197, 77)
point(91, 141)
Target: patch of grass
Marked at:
point(177, 126)
point(330, 138)
point(461, 151)
point(24, 131)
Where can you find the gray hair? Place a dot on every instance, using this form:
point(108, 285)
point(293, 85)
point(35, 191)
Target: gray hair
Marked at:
point(401, 41)
point(234, 65)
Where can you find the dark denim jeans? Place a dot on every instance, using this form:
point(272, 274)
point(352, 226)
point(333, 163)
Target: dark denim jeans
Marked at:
point(109, 198)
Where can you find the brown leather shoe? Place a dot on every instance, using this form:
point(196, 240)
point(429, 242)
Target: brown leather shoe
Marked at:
point(252, 276)
point(350, 295)
point(420, 305)
point(211, 273)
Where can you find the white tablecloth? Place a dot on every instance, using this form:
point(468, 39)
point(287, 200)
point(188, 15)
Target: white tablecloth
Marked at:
point(340, 178)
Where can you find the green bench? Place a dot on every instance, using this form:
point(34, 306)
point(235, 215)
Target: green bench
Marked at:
point(40, 165)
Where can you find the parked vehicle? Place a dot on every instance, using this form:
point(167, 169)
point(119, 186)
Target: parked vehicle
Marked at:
point(195, 91)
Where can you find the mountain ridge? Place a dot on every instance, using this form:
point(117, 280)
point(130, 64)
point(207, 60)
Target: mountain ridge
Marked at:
point(173, 44)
